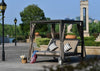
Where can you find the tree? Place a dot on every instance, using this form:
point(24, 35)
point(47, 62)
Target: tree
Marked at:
point(31, 13)
point(94, 28)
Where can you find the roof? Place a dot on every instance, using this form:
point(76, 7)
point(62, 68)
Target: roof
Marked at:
point(56, 21)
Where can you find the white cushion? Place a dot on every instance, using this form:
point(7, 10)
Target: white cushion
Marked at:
point(52, 47)
point(67, 47)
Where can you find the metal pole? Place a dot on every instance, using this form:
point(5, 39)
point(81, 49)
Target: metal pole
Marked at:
point(3, 51)
point(15, 33)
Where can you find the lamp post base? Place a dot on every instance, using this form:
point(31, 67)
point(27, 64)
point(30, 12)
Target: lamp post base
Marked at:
point(3, 56)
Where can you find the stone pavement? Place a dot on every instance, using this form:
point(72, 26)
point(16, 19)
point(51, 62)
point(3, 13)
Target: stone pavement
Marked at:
point(13, 61)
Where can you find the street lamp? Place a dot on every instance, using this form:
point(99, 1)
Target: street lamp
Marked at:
point(15, 21)
point(3, 8)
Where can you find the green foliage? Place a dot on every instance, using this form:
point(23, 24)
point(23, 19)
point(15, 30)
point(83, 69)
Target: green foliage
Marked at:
point(42, 41)
point(32, 13)
point(75, 29)
point(57, 28)
point(10, 30)
point(89, 38)
point(71, 34)
point(20, 38)
point(90, 41)
point(94, 28)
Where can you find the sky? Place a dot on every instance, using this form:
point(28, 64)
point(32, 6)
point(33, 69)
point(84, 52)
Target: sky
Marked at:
point(55, 9)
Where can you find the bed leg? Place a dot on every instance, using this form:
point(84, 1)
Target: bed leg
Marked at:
point(60, 61)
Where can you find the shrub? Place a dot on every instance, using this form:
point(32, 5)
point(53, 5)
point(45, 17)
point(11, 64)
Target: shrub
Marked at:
point(20, 38)
point(56, 35)
point(71, 34)
point(42, 41)
point(95, 35)
point(43, 34)
point(90, 41)
point(89, 38)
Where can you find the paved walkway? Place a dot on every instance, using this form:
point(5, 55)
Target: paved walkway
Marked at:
point(13, 61)
point(13, 44)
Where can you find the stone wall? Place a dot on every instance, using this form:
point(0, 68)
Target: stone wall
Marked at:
point(91, 50)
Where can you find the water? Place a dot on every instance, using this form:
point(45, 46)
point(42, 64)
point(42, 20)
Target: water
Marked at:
point(11, 40)
point(7, 40)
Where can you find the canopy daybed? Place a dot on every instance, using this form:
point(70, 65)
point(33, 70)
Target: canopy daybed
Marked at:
point(61, 42)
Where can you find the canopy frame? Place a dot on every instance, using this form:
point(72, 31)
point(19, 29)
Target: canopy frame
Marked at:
point(62, 24)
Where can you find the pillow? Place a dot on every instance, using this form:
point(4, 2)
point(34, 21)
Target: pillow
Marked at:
point(67, 47)
point(52, 47)
point(51, 41)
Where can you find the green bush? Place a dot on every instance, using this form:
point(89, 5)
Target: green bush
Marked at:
point(20, 38)
point(89, 38)
point(71, 34)
point(95, 35)
point(90, 41)
point(42, 41)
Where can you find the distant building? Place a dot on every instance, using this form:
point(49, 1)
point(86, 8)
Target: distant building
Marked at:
point(69, 19)
point(91, 20)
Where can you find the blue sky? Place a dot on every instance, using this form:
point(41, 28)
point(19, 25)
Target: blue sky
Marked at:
point(55, 9)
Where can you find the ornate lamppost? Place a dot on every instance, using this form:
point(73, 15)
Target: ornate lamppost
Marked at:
point(15, 21)
point(3, 8)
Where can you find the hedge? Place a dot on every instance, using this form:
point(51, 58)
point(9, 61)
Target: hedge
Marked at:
point(89, 41)
point(42, 41)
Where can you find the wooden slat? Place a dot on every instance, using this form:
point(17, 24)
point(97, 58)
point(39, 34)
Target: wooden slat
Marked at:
point(61, 28)
point(32, 31)
point(56, 21)
point(79, 29)
point(63, 32)
point(82, 45)
point(53, 31)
